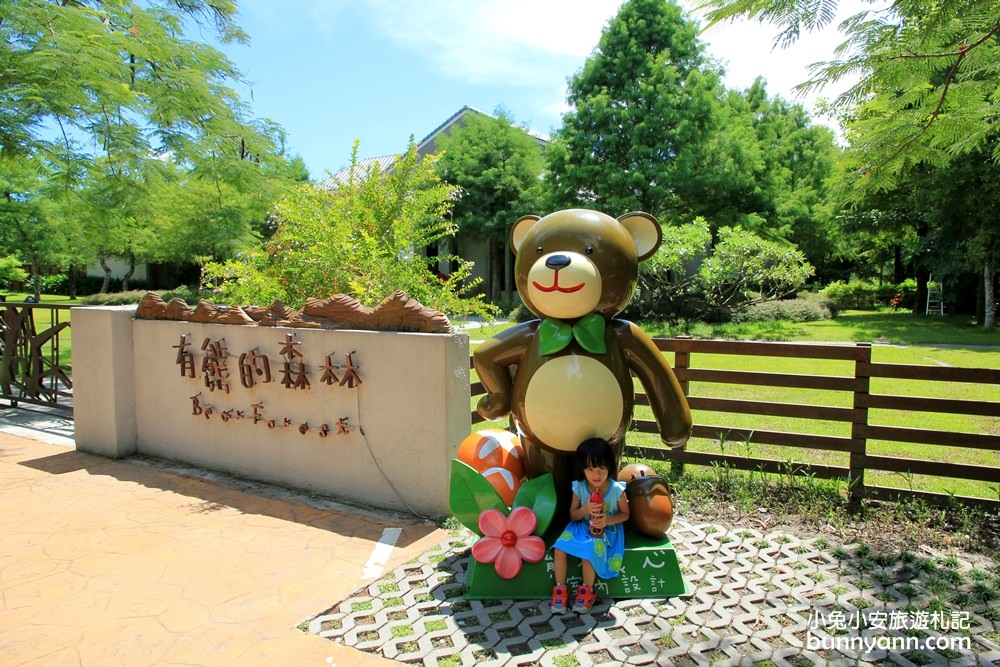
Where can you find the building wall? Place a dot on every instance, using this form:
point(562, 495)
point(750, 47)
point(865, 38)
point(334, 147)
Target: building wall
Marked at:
point(402, 423)
point(119, 267)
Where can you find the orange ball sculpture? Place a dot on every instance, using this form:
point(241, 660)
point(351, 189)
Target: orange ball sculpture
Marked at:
point(498, 455)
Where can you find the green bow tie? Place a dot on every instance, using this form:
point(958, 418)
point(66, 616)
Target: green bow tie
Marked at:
point(555, 335)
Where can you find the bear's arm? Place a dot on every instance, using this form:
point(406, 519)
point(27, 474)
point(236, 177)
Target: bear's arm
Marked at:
point(666, 398)
point(493, 360)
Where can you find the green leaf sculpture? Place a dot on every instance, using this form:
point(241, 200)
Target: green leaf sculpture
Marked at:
point(470, 494)
point(538, 495)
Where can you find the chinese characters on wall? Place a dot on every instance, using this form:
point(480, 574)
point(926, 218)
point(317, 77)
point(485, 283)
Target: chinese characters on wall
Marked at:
point(254, 368)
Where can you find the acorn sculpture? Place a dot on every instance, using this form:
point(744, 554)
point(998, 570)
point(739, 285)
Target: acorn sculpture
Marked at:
point(650, 509)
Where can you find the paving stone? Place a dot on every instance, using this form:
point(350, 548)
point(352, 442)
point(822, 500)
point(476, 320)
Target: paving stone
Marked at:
point(755, 597)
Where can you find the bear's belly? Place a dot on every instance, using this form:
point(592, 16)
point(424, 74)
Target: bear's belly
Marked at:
point(572, 398)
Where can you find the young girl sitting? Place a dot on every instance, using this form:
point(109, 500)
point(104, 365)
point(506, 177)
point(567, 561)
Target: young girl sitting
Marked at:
point(595, 532)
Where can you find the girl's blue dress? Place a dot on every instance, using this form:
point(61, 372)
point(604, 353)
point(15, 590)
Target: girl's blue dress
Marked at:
point(604, 553)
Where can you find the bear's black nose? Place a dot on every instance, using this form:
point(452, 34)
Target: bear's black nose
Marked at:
point(556, 262)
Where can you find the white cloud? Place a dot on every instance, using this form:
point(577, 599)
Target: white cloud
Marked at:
point(537, 44)
point(530, 42)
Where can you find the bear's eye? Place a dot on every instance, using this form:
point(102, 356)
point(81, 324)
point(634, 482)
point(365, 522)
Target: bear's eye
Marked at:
point(539, 250)
point(589, 250)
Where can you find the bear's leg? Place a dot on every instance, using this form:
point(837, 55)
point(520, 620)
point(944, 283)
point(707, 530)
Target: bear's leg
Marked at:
point(540, 461)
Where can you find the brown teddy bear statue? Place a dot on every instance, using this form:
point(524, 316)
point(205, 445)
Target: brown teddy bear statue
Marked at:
point(567, 377)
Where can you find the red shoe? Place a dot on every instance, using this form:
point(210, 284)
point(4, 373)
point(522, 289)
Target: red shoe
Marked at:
point(585, 599)
point(560, 599)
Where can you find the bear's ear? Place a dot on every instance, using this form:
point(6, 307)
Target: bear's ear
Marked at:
point(520, 229)
point(645, 232)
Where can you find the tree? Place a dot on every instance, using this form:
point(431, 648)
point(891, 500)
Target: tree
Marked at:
point(498, 167)
point(362, 239)
point(27, 226)
point(690, 278)
point(11, 271)
point(959, 203)
point(746, 269)
point(793, 180)
point(926, 79)
point(93, 93)
point(645, 108)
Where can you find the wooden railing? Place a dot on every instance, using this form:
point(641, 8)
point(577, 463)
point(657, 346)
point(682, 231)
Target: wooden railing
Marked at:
point(852, 443)
point(34, 364)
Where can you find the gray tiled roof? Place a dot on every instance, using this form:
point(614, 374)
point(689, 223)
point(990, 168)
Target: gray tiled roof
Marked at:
point(333, 181)
point(425, 146)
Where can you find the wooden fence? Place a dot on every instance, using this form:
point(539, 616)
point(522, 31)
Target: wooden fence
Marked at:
point(34, 347)
point(843, 398)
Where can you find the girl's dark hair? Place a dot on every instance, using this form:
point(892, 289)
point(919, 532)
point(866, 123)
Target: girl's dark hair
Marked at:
point(596, 452)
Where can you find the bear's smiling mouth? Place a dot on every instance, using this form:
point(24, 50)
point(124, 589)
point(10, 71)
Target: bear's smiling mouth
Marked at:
point(555, 287)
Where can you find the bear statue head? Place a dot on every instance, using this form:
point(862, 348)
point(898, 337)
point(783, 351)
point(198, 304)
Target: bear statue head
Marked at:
point(575, 262)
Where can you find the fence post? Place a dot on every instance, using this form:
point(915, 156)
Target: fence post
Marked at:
point(859, 429)
point(682, 361)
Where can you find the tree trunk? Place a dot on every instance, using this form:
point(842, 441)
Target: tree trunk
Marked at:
point(989, 298)
point(898, 269)
point(71, 275)
point(107, 275)
point(920, 306)
point(36, 279)
point(131, 271)
point(495, 286)
point(32, 256)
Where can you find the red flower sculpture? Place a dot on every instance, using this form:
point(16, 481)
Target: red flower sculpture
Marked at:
point(507, 541)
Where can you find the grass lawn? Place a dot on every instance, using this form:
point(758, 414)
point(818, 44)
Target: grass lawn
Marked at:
point(900, 338)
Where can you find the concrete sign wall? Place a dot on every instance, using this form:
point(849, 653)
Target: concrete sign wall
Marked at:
point(378, 427)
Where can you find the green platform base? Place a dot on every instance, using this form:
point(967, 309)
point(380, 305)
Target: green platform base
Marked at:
point(649, 570)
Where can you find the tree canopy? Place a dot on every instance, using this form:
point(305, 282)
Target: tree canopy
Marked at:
point(498, 166)
point(925, 79)
point(644, 107)
point(97, 100)
point(653, 128)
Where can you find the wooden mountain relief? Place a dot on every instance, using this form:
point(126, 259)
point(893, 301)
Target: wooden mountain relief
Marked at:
point(397, 312)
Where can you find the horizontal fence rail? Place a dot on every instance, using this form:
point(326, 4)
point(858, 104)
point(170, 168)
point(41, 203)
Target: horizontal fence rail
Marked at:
point(34, 355)
point(844, 397)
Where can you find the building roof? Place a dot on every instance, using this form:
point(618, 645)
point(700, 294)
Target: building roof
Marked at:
point(424, 147)
point(334, 181)
point(426, 144)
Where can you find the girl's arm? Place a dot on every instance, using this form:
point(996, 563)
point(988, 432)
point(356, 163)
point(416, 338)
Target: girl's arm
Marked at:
point(577, 511)
point(622, 515)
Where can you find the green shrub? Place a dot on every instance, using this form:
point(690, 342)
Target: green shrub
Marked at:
point(520, 313)
point(56, 283)
point(863, 295)
point(189, 295)
point(794, 310)
point(11, 271)
point(359, 240)
point(114, 298)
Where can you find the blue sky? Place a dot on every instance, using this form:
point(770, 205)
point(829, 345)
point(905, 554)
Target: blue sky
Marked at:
point(330, 71)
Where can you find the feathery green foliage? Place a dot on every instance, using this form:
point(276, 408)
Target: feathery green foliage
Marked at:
point(926, 79)
point(364, 239)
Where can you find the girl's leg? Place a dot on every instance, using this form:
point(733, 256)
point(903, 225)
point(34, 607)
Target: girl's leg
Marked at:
point(560, 594)
point(589, 576)
point(585, 594)
point(560, 566)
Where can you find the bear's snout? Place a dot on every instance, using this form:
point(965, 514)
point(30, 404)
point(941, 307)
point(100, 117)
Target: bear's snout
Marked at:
point(556, 262)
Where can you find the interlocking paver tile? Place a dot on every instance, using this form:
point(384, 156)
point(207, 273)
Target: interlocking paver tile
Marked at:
point(755, 598)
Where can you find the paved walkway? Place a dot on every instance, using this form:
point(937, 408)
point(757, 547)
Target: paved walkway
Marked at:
point(123, 563)
point(137, 563)
point(758, 599)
